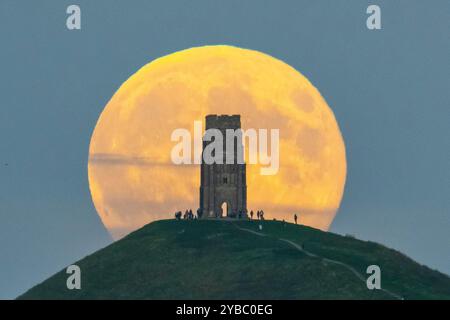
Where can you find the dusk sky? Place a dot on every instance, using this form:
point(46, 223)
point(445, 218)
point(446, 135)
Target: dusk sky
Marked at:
point(389, 90)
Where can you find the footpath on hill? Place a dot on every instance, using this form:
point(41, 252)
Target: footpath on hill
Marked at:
point(312, 255)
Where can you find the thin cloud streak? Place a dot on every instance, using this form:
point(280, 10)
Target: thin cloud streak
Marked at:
point(120, 159)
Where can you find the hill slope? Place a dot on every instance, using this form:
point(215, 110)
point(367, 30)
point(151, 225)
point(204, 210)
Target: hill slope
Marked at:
point(235, 260)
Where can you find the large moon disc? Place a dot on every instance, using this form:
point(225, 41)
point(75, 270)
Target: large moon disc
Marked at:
point(132, 178)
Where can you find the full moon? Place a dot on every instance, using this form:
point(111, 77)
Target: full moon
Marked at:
point(133, 180)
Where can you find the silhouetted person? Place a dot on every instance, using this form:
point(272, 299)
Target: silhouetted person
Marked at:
point(199, 213)
point(257, 214)
point(261, 215)
point(178, 215)
point(295, 218)
point(251, 214)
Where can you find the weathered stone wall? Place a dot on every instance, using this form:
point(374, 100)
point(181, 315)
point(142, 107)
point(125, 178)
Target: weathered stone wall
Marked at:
point(223, 183)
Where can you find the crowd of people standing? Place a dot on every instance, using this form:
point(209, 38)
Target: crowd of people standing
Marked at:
point(189, 215)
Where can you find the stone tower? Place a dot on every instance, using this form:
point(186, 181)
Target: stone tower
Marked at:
point(223, 186)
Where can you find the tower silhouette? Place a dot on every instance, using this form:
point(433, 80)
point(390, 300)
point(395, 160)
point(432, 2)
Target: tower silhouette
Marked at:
point(222, 185)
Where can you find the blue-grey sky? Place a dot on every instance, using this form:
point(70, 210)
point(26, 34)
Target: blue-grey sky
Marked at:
point(389, 90)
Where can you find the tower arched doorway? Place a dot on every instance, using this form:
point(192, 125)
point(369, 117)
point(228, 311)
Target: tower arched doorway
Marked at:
point(225, 209)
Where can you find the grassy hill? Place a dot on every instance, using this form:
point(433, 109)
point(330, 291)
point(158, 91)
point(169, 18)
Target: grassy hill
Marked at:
point(228, 260)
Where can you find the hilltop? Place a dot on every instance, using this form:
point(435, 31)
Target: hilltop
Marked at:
point(213, 259)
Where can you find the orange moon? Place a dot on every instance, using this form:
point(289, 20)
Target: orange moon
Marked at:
point(132, 178)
